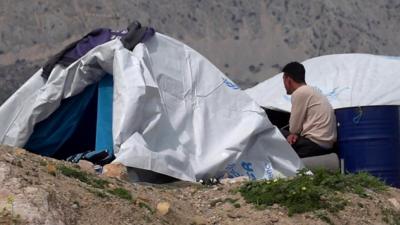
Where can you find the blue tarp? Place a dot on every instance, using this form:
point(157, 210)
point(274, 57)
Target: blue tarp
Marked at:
point(82, 123)
point(50, 134)
point(104, 116)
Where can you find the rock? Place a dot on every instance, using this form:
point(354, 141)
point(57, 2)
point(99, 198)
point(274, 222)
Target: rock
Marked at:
point(4, 171)
point(19, 152)
point(228, 207)
point(274, 219)
point(275, 206)
point(163, 208)
point(86, 166)
point(233, 215)
point(241, 179)
point(51, 169)
point(75, 206)
point(395, 203)
point(8, 158)
point(116, 170)
point(198, 220)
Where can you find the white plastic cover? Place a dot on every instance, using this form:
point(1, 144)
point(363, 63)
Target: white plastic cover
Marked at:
point(173, 113)
point(346, 79)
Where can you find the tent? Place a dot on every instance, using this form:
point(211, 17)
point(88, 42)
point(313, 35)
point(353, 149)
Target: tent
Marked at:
point(347, 80)
point(161, 107)
point(351, 82)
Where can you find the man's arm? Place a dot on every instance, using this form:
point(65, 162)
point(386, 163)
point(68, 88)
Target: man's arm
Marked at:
point(298, 113)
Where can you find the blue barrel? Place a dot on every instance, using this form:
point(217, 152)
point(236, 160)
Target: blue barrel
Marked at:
point(369, 140)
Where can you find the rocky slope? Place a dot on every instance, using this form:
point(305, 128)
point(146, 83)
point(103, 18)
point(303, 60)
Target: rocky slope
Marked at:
point(248, 40)
point(37, 190)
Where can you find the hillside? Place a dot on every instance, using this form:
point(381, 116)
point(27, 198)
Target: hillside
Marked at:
point(38, 190)
point(248, 40)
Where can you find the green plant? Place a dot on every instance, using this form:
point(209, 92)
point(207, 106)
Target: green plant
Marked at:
point(145, 206)
point(322, 215)
point(74, 173)
point(97, 192)
point(307, 193)
point(98, 183)
point(83, 177)
point(121, 193)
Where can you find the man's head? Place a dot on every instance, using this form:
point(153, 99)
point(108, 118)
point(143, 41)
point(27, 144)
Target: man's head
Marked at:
point(293, 76)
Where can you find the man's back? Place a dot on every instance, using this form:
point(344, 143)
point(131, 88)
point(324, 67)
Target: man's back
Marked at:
point(312, 116)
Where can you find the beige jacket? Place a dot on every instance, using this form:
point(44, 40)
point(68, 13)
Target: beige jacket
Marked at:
point(312, 116)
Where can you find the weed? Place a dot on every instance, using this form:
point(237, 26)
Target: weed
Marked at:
point(83, 176)
point(98, 193)
point(121, 193)
point(145, 206)
point(99, 183)
point(306, 193)
point(322, 215)
point(74, 173)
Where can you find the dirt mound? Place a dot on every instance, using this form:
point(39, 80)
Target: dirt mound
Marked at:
point(40, 190)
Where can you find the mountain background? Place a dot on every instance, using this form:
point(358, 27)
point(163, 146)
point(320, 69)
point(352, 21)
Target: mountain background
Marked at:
point(249, 40)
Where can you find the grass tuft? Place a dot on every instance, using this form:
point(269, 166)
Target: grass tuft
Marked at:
point(83, 177)
point(307, 193)
point(121, 193)
point(145, 206)
point(74, 173)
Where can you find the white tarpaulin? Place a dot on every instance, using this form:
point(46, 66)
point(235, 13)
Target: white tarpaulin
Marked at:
point(346, 79)
point(173, 113)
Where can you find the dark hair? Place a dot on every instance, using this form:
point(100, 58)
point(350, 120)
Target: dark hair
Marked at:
point(296, 71)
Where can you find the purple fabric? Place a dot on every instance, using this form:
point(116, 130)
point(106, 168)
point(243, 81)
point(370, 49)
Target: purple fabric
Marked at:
point(148, 34)
point(91, 40)
point(129, 38)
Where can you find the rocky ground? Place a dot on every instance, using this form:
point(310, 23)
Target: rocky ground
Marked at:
point(39, 190)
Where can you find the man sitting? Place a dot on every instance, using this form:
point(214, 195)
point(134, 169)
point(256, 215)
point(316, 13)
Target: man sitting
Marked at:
point(312, 123)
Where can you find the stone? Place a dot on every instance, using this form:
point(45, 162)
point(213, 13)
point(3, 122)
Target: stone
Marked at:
point(51, 169)
point(19, 152)
point(395, 203)
point(234, 215)
point(4, 171)
point(116, 170)
point(198, 220)
point(274, 219)
point(163, 208)
point(86, 166)
point(240, 179)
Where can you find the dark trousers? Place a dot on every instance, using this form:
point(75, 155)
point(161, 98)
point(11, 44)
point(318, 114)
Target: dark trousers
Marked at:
point(304, 147)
